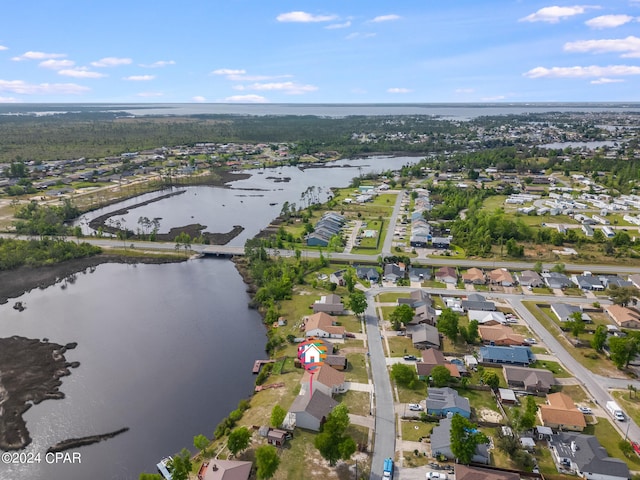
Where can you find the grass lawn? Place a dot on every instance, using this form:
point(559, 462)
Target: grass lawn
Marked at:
point(401, 346)
point(542, 290)
point(413, 396)
point(480, 399)
point(351, 323)
point(415, 430)
point(576, 392)
point(356, 370)
point(557, 369)
point(358, 402)
point(411, 460)
point(434, 284)
point(390, 297)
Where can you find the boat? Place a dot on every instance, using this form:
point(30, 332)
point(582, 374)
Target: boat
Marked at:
point(163, 467)
point(273, 204)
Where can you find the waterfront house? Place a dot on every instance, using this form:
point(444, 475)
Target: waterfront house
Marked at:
point(326, 380)
point(323, 325)
point(216, 469)
point(310, 411)
point(442, 402)
point(331, 304)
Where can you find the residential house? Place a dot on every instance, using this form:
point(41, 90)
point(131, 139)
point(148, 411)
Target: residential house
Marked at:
point(529, 278)
point(441, 444)
point(331, 304)
point(560, 413)
point(487, 318)
point(474, 276)
point(419, 274)
point(588, 282)
point(533, 380)
point(322, 325)
point(475, 301)
point(339, 362)
point(337, 277)
point(415, 298)
point(444, 401)
point(624, 317)
point(441, 242)
point(584, 455)
point(393, 272)
point(564, 311)
point(368, 273)
point(424, 336)
point(499, 335)
point(311, 411)
point(609, 280)
point(446, 275)
point(505, 355)
point(325, 379)
point(557, 280)
point(330, 224)
point(501, 276)
point(432, 358)
point(216, 469)
point(464, 472)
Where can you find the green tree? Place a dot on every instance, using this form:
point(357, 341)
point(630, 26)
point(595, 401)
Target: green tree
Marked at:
point(357, 302)
point(332, 441)
point(599, 338)
point(201, 443)
point(350, 279)
point(491, 379)
point(528, 419)
point(150, 476)
point(575, 323)
point(538, 267)
point(180, 465)
point(623, 350)
point(558, 268)
point(183, 240)
point(404, 375)
point(267, 461)
point(238, 440)
point(470, 334)
point(401, 315)
point(448, 324)
point(278, 415)
point(622, 295)
point(441, 376)
point(465, 438)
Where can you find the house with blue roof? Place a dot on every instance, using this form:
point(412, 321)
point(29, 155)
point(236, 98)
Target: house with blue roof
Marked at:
point(515, 355)
point(444, 401)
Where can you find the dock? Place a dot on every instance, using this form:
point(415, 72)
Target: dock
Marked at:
point(257, 365)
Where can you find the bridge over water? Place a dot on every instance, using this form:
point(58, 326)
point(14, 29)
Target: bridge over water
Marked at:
point(222, 251)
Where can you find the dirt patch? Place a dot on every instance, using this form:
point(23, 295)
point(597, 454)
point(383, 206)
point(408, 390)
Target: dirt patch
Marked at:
point(487, 415)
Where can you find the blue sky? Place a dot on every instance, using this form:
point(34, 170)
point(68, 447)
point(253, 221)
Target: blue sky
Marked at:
point(329, 51)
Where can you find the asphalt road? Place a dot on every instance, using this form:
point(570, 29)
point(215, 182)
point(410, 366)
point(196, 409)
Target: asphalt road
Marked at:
point(386, 247)
point(385, 428)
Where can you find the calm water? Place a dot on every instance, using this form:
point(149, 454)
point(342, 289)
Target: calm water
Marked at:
point(166, 350)
point(248, 202)
point(444, 110)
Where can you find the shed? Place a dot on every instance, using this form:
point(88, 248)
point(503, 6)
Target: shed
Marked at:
point(507, 396)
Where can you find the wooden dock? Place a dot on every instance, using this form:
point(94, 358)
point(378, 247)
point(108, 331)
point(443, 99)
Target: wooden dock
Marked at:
point(257, 365)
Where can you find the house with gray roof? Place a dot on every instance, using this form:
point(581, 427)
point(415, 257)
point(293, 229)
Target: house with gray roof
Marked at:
point(441, 444)
point(444, 401)
point(515, 355)
point(557, 280)
point(535, 380)
point(311, 411)
point(564, 311)
point(368, 273)
point(331, 304)
point(475, 301)
point(584, 455)
point(529, 278)
point(424, 336)
point(608, 280)
point(393, 272)
point(417, 274)
point(588, 282)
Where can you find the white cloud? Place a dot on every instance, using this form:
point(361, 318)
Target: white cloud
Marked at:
point(8, 100)
point(158, 64)
point(199, 99)
point(228, 71)
point(583, 72)
point(304, 17)
point(290, 88)
point(354, 35)
point(57, 64)
point(2, 47)
point(246, 99)
point(38, 56)
point(629, 47)
point(112, 62)
point(399, 90)
point(386, 18)
point(464, 90)
point(139, 78)
point(81, 72)
point(150, 94)
point(335, 26)
point(555, 13)
point(494, 98)
point(603, 81)
point(22, 87)
point(609, 21)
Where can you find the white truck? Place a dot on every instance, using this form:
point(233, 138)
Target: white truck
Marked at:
point(615, 411)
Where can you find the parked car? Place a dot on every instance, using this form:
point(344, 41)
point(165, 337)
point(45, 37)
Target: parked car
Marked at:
point(585, 410)
point(415, 407)
point(636, 447)
point(350, 335)
point(438, 475)
point(530, 341)
point(410, 357)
